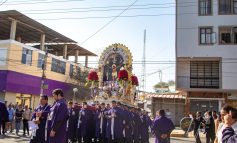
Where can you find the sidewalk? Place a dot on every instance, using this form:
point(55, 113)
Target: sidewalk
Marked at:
point(179, 134)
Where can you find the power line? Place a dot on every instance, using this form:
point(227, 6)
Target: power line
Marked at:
point(64, 1)
point(109, 22)
point(97, 10)
point(42, 2)
point(3, 2)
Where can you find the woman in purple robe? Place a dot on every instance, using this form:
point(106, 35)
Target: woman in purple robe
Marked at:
point(57, 119)
point(162, 127)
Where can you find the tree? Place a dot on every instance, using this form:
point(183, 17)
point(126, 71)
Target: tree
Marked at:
point(171, 82)
point(161, 85)
point(79, 75)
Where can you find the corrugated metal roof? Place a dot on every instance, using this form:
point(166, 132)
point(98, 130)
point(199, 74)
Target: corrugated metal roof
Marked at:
point(28, 29)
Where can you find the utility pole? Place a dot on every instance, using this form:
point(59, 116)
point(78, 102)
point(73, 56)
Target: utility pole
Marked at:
point(143, 86)
point(44, 65)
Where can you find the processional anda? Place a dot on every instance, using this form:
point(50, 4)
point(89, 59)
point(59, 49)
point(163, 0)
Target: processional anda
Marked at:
point(114, 79)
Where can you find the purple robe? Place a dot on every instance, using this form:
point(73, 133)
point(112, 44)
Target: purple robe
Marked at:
point(128, 126)
point(145, 124)
point(72, 123)
point(136, 126)
point(40, 133)
point(101, 123)
point(114, 129)
point(57, 121)
point(86, 123)
point(162, 125)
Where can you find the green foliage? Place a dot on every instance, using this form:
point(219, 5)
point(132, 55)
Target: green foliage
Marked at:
point(79, 75)
point(171, 82)
point(161, 85)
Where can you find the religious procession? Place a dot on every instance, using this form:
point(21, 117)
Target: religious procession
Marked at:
point(99, 123)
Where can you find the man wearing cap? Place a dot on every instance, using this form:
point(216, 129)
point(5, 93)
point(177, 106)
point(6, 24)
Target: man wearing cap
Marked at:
point(114, 129)
point(72, 122)
point(57, 119)
point(39, 116)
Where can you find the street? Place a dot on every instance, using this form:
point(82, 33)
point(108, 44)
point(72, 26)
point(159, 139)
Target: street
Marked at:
point(11, 138)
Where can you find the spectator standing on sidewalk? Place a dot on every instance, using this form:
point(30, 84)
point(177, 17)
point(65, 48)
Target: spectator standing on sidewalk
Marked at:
point(18, 118)
point(162, 127)
point(11, 112)
point(198, 121)
point(210, 128)
point(26, 117)
point(3, 117)
point(224, 111)
point(229, 135)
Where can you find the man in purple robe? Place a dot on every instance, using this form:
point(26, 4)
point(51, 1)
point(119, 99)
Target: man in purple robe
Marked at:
point(136, 125)
point(85, 123)
point(57, 119)
point(39, 116)
point(127, 125)
point(101, 123)
point(72, 122)
point(162, 127)
point(114, 129)
point(146, 123)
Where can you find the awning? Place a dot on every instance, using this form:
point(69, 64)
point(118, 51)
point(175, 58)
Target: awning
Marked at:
point(170, 96)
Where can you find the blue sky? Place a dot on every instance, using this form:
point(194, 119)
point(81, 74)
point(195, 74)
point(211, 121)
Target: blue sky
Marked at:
point(160, 40)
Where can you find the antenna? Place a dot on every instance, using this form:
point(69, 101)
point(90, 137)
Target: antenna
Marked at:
point(143, 86)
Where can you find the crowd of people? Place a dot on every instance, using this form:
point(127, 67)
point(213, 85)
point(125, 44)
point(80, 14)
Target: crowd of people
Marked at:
point(108, 123)
point(71, 122)
point(219, 128)
point(13, 116)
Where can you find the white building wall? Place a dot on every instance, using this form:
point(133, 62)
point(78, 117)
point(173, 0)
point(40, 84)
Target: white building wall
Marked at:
point(188, 23)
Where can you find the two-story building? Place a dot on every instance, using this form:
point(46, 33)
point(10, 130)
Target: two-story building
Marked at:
point(206, 53)
point(31, 53)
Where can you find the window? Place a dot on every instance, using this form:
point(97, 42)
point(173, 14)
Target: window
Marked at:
point(205, 7)
point(228, 6)
point(26, 56)
point(3, 56)
point(228, 35)
point(206, 35)
point(58, 66)
point(40, 60)
point(204, 74)
point(71, 70)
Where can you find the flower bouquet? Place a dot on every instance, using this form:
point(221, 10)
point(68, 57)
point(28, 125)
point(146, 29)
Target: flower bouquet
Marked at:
point(93, 82)
point(123, 80)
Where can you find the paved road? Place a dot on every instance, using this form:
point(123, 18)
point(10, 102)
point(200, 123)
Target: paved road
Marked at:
point(11, 138)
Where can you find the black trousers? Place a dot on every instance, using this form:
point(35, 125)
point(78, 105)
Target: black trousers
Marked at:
point(197, 137)
point(25, 126)
point(116, 140)
point(2, 127)
point(210, 137)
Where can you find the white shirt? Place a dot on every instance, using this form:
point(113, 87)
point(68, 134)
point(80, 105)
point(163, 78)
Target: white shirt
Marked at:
point(27, 114)
point(221, 128)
